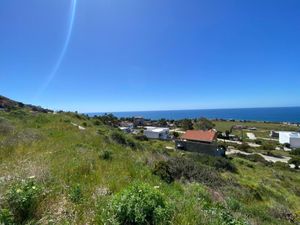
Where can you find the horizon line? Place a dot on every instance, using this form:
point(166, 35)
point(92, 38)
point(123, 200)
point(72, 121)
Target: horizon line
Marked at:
point(166, 110)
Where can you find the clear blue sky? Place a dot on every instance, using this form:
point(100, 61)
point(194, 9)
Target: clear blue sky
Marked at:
point(127, 55)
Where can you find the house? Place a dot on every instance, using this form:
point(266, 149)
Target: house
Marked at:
point(126, 124)
point(126, 129)
point(274, 134)
point(200, 141)
point(157, 133)
point(291, 138)
point(138, 121)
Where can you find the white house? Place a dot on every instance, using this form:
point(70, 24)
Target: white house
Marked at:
point(157, 133)
point(292, 138)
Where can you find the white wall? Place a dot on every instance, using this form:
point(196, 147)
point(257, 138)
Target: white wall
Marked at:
point(155, 134)
point(150, 134)
point(295, 142)
point(289, 138)
point(284, 137)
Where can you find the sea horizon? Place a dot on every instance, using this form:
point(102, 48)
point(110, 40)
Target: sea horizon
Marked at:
point(268, 114)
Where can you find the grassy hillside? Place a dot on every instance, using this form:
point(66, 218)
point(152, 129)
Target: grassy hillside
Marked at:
point(52, 172)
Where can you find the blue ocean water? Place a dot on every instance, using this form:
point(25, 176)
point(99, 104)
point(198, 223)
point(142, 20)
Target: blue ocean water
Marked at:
point(284, 114)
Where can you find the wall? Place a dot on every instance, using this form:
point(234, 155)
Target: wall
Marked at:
point(295, 142)
point(209, 149)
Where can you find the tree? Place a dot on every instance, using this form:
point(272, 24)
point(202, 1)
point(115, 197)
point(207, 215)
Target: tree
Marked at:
point(162, 122)
point(295, 152)
point(175, 134)
point(187, 124)
point(204, 124)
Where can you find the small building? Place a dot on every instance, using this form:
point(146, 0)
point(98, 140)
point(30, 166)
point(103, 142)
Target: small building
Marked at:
point(126, 124)
point(274, 134)
point(157, 133)
point(138, 121)
point(126, 129)
point(200, 141)
point(291, 138)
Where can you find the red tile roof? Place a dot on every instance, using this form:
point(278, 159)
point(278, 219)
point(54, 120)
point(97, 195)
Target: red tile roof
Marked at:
point(200, 135)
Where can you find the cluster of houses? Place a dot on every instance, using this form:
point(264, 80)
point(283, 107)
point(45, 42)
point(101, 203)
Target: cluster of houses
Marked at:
point(199, 140)
point(192, 140)
point(287, 138)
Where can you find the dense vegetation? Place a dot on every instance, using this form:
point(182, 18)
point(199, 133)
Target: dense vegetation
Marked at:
point(51, 172)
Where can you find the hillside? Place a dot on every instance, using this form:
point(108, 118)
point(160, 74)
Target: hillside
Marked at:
point(8, 105)
point(52, 172)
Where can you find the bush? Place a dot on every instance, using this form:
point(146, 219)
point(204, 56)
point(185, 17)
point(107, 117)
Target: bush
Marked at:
point(244, 147)
point(219, 163)
point(141, 137)
point(22, 199)
point(76, 194)
point(268, 146)
point(258, 142)
point(187, 169)
point(140, 204)
point(106, 155)
point(295, 152)
point(118, 137)
point(122, 139)
point(6, 217)
point(164, 171)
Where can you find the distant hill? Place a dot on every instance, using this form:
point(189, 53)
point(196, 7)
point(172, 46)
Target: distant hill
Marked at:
point(8, 105)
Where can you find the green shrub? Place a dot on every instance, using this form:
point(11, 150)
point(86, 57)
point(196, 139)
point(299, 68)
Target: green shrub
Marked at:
point(227, 219)
point(268, 146)
point(295, 152)
point(244, 147)
point(139, 204)
point(219, 163)
point(97, 123)
point(75, 194)
point(281, 165)
point(118, 137)
point(164, 171)
point(22, 199)
point(258, 142)
point(6, 217)
point(187, 169)
point(122, 139)
point(141, 138)
point(105, 155)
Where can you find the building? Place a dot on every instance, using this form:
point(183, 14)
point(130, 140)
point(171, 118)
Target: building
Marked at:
point(200, 141)
point(274, 134)
point(157, 133)
point(291, 138)
point(138, 121)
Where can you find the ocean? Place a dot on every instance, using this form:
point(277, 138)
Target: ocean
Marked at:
point(284, 114)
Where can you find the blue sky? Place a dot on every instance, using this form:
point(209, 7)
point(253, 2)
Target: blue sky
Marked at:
point(150, 54)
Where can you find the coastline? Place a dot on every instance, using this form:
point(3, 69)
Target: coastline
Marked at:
point(274, 114)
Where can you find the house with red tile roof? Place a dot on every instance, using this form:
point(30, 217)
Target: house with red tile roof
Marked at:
point(201, 141)
point(206, 136)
